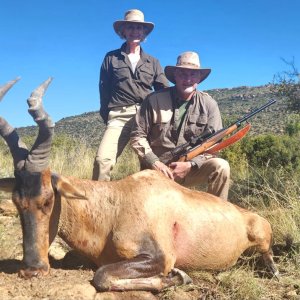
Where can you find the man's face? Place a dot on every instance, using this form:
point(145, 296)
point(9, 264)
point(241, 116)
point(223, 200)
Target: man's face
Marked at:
point(186, 81)
point(134, 33)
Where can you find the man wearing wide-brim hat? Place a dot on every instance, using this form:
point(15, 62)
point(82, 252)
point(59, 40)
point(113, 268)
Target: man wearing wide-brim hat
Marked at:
point(127, 76)
point(173, 116)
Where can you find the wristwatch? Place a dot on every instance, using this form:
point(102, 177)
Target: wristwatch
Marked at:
point(193, 164)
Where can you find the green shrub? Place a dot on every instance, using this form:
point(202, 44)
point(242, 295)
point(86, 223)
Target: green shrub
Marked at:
point(237, 160)
point(277, 152)
point(274, 151)
point(293, 125)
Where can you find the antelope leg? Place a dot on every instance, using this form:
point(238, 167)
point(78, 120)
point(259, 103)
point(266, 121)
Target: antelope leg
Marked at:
point(139, 273)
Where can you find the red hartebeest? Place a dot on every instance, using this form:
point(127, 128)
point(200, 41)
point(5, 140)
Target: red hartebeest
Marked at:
point(138, 230)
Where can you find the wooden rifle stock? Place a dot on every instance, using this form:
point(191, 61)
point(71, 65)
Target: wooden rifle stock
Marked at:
point(208, 143)
point(229, 141)
point(219, 135)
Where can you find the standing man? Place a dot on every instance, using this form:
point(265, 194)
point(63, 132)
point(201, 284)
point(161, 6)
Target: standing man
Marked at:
point(127, 76)
point(171, 117)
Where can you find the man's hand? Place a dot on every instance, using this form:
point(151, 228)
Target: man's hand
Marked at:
point(159, 166)
point(180, 169)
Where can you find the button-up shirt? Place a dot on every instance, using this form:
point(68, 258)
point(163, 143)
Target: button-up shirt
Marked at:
point(156, 131)
point(121, 86)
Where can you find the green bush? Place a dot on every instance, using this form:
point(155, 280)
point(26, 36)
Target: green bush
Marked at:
point(274, 151)
point(293, 125)
point(264, 151)
point(237, 159)
point(262, 165)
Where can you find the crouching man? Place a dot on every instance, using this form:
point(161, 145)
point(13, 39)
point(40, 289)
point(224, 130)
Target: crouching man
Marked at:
point(171, 117)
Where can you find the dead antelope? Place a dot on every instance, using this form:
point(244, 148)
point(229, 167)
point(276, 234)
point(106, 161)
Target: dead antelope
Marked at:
point(138, 230)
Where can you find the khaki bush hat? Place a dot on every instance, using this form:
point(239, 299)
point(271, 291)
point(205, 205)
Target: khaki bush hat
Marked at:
point(187, 60)
point(132, 16)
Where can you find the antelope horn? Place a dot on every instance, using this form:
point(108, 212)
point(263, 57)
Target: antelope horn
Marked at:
point(17, 148)
point(38, 158)
point(36, 108)
point(4, 89)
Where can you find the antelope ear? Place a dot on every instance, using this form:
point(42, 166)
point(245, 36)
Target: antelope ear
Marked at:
point(66, 189)
point(7, 184)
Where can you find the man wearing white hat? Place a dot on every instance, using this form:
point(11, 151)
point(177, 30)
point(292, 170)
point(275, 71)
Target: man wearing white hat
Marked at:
point(173, 116)
point(127, 76)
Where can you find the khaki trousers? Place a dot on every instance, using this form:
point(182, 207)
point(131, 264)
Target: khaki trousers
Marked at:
point(115, 139)
point(215, 172)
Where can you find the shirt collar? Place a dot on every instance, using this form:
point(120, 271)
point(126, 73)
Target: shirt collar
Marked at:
point(177, 100)
point(144, 55)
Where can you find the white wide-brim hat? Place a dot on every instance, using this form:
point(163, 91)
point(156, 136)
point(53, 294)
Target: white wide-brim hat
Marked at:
point(132, 16)
point(187, 60)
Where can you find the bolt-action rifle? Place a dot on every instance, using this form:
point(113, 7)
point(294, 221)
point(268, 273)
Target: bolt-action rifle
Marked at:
point(211, 142)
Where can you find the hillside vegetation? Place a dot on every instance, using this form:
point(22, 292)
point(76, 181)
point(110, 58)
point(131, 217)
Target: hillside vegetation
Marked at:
point(234, 103)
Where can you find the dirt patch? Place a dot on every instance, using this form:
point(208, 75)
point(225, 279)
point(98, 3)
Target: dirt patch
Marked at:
point(75, 284)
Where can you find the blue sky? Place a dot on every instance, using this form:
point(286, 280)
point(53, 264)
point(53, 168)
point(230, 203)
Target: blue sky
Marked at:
point(242, 41)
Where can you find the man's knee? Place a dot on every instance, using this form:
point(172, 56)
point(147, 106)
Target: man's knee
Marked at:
point(219, 179)
point(220, 171)
point(224, 168)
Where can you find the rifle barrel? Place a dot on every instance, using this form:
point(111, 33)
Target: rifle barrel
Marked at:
point(254, 112)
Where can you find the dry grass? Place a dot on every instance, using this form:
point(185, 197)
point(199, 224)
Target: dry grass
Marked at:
point(6, 162)
point(73, 159)
point(275, 195)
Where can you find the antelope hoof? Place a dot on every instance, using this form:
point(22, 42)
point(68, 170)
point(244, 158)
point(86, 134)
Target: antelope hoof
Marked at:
point(276, 275)
point(33, 272)
point(186, 279)
point(272, 268)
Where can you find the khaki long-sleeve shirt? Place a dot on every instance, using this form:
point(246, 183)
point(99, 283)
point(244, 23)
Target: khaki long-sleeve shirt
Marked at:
point(155, 131)
point(119, 86)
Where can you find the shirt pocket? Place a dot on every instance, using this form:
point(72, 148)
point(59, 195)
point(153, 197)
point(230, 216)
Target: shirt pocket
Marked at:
point(196, 124)
point(160, 134)
point(146, 75)
point(161, 128)
point(120, 73)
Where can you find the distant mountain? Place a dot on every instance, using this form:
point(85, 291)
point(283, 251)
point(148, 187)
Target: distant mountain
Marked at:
point(233, 102)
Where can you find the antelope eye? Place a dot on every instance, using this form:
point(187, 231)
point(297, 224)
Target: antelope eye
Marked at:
point(47, 203)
